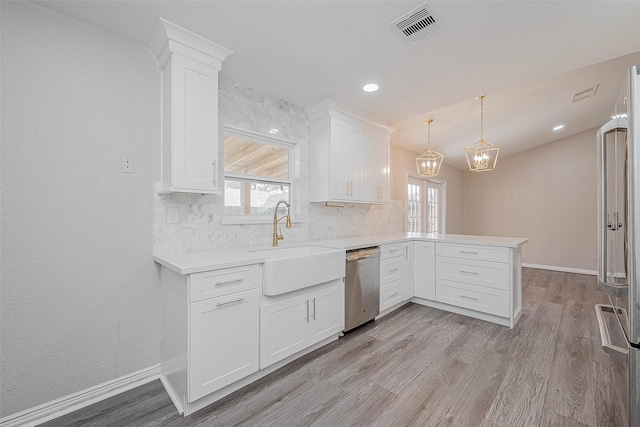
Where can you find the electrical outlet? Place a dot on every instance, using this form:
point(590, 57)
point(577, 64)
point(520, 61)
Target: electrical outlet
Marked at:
point(173, 215)
point(126, 164)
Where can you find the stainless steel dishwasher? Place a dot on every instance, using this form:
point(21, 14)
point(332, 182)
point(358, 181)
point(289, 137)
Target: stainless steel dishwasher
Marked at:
point(362, 287)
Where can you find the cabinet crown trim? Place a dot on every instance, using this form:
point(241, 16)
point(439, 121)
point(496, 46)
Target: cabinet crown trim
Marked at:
point(168, 38)
point(331, 107)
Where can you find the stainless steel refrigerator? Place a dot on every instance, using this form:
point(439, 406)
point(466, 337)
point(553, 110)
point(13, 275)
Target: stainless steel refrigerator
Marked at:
point(618, 159)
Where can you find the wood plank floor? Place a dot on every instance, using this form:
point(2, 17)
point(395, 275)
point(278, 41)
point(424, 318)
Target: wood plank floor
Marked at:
point(422, 367)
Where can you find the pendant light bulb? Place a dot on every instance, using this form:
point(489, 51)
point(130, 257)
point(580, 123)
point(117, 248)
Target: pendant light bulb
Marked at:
point(429, 162)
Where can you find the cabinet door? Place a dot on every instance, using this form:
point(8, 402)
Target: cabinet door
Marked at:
point(223, 341)
point(194, 127)
point(345, 161)
point(424, 271)
point(327, 313)
point(283, 329)
point(408, 271)
point(376, 167)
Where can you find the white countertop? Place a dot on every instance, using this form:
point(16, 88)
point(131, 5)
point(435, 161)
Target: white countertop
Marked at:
point(187, 263)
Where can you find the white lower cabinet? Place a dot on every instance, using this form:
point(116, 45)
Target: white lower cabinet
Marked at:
point(291, 324)
point(424, 270)
point(224, 341)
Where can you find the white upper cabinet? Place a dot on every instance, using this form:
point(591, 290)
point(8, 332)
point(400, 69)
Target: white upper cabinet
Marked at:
point(349, 156)
point(189, 66)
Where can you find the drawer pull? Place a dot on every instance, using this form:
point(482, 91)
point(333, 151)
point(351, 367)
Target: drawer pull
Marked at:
point(469, 272)
point(394, 250)
point(228, 282)
point(394, 294)
point(469, 252)
point(393, 269)
point(466, 297)
point(230, 302)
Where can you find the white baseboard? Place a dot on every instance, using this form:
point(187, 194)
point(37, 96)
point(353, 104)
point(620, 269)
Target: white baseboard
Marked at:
point(563, 269)
point(73, 402)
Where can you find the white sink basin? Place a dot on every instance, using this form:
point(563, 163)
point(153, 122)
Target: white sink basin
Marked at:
point(293, 268)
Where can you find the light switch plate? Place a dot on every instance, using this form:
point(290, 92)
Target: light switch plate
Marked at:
point(126, 164)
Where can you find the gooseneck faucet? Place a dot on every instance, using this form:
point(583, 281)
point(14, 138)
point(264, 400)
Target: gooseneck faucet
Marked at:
point(278, 236)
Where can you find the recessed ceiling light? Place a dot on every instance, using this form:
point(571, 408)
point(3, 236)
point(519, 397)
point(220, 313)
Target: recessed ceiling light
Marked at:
point(273, 131)
point(371, 87)
point(557, 128)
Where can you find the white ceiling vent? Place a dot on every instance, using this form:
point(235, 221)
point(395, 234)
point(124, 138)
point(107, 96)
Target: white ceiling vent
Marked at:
point(584, 94)
point(417, 24)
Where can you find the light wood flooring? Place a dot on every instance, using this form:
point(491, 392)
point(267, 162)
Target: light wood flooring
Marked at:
point(422, 367)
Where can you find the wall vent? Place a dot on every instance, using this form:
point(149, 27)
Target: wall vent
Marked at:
point(417, 24)
point(584, 94)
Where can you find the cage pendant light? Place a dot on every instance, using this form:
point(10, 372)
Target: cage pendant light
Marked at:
point(482, 156)
point(429, 162)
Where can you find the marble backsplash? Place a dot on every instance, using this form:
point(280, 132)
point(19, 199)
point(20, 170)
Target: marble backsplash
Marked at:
point(201, 223)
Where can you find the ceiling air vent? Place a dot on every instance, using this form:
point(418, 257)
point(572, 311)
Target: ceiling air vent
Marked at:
point(584, 94)
point(417, 24)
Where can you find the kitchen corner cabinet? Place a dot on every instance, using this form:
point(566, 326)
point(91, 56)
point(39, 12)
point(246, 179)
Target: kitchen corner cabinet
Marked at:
point(210, 330)
point(293, 323)
point(424, 269)
point(349, 156)
point(189, 65)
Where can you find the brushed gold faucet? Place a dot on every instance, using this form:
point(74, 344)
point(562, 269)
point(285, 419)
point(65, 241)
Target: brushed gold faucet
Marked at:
point(278, 236)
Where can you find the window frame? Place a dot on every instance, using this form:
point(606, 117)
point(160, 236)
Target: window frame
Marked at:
point(293, 174)
point(425, 184)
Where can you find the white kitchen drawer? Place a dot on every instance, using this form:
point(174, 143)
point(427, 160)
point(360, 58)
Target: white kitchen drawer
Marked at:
point(481, 273)
point(221, 282)
point(391, 250)
point(391, 269)
point(485, 253)
point(486, 300)
point(390, 294)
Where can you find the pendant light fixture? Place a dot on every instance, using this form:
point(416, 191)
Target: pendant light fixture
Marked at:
point(429, 162)
point(482, 156)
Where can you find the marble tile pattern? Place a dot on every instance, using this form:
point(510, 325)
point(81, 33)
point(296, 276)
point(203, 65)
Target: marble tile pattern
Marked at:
point(200, 225)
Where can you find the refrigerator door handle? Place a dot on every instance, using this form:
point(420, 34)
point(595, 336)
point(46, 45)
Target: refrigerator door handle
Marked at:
point(607, 346)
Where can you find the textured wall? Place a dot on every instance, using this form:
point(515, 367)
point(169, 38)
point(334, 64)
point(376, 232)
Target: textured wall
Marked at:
point(201, 217)
point(79, 297)
point(547, 194)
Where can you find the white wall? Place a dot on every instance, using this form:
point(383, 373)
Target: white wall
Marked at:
point(547, 194)
point(403, 164)
point(79, 292)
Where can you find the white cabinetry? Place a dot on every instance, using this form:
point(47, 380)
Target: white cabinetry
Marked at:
point(484, 279)
point(394, 275)
point(210, 330)
point(290, 324)
point(349, 156)
point(189, 66)
point(424, 269)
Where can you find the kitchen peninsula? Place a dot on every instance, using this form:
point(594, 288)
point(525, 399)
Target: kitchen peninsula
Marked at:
point(218, 299)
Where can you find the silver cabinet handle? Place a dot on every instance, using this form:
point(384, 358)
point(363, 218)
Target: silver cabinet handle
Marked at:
point(394, 294)
point(406, 252)
point(229, 302)
point(215, 172)
point(469, 272)
point(394, 250)
point(469, 252)
point(393, 269)
point(228, 282)
point(347, 190)
point(314, 309)
point(351, 188)
point(307, 318)
point(466, 297)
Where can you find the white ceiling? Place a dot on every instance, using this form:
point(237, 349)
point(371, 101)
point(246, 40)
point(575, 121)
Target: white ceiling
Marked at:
point(527, 57)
